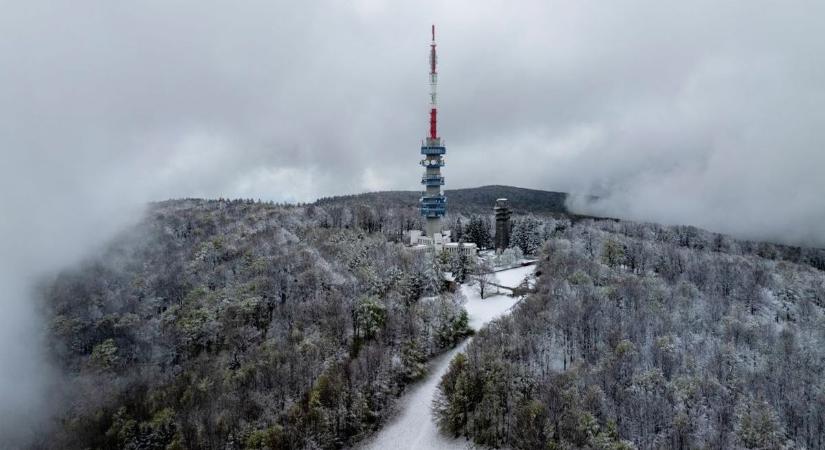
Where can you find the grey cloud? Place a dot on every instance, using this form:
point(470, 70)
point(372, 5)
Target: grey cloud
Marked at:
point(698, 112)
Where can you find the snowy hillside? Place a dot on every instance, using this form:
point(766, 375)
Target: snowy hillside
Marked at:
point(236, 324)
point(240, 324)
point(633, 340)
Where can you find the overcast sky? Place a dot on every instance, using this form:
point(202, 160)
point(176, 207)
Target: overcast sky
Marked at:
point(703, 112)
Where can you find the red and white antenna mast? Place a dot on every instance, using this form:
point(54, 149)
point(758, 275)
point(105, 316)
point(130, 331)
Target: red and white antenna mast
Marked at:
point(433, 203)
point(433, 84)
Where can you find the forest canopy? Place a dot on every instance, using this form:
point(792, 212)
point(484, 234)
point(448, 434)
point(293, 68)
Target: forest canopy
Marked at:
point(651, 337)
point(239, 324)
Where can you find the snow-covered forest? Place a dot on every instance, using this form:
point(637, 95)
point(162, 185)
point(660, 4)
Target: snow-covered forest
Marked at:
point(249, 325)
point(647, 336)
point(237, 324)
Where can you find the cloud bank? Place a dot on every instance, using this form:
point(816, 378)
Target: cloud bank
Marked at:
point(700, 113)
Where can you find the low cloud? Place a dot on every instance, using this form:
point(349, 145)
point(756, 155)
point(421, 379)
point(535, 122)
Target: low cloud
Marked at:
point(701, 113)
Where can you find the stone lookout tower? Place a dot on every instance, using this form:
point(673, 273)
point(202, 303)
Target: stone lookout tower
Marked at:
point(502, 211)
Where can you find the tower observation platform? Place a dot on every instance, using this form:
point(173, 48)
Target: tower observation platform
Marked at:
point(433, 203)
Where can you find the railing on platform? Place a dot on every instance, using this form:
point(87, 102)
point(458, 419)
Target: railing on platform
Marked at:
point(433, 150)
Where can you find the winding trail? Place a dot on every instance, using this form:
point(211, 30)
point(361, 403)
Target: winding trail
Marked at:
point(414, 427)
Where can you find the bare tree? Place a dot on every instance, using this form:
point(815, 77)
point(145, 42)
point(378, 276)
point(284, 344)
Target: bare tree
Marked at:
point(483, 277)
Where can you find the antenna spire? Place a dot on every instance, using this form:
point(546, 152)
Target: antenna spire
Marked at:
point(433, 85)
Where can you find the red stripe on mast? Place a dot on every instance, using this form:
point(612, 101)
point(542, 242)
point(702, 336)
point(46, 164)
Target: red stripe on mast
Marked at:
point(433, 132)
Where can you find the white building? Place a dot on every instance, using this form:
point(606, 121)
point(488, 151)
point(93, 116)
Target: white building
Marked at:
point(440, 241)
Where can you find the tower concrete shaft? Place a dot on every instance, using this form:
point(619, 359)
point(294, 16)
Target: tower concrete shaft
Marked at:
point(433, 203)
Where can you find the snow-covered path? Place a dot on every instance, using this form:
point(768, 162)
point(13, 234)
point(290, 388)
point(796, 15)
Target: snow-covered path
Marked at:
point(414, 427)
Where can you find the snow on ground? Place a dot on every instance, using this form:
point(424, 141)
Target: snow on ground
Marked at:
point(414, 427)
point(514, 277)
point(483, 311)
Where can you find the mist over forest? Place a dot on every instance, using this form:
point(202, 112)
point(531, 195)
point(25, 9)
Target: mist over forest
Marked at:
point(681, 114)
point(215, 323)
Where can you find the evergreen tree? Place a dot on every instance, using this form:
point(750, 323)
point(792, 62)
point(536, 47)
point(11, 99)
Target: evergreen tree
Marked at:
point(433, 275)
point(460, 265)
point(457, 230)
point(527, 235)
point(757, 425)
point(478, 232)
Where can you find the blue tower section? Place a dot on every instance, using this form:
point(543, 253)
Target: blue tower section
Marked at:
point(433, 203)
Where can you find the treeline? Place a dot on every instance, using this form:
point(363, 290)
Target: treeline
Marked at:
point(240, 324)
point(478, 201)
point(699, 239)
point(650, 337)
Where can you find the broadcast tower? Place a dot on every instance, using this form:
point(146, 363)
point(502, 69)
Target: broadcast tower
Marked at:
point(433, 203)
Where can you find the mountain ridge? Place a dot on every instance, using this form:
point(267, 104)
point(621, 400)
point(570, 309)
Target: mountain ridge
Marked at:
point(466, 200)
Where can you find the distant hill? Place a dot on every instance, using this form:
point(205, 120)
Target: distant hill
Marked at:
point(478, 200)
